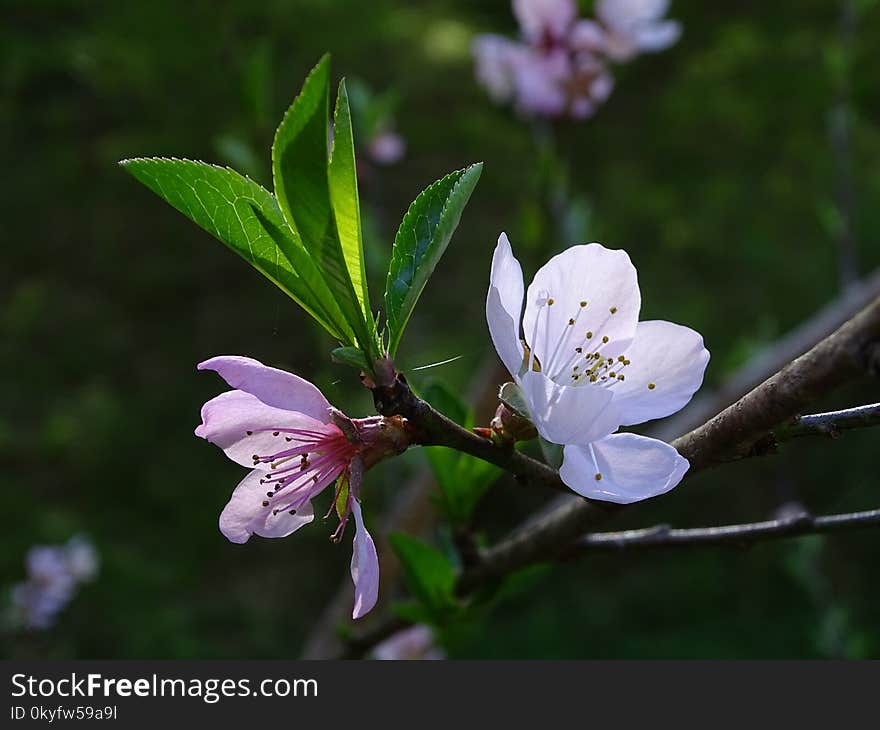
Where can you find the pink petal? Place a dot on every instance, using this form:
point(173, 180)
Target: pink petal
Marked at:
point(245, 515)
point(228, 419)
point(364, 566)
point(276, 388)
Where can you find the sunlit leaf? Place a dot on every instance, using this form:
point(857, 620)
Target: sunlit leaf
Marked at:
point(300, 173)
point(342, 174)
point(225, 204)
point(422, 238)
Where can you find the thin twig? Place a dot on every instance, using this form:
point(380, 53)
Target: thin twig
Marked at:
point(742, 534)
point(771, 359)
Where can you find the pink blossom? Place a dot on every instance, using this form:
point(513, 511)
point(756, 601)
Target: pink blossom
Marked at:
point(387, 148)
point(415, 642)
point(554, 71)
point(636, 26)
point(54, 574)
point(297, 445)
point(559, 68)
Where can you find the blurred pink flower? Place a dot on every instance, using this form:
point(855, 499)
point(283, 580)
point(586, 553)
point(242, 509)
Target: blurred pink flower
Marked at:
point(545, 22)
point(415, 642)
point(54, 573)
point(559, 68)
point(387, 148)
point(554, 71)
point(636, 26)
point(298, 445)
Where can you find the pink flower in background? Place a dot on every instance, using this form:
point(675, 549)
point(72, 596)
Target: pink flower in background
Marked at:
point(387, 148)
point(588, 366)
point(297, 445)
point(553, 72)
point(545, 22)
point(636, 26)
point(559, 68)
point(415, 642)
point(54, 574)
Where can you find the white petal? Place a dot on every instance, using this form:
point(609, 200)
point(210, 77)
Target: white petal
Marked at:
point(633, 468)
point(569, 414)
point(504, 305)
point(669, 356)
point(244, 514)
point(622, 15)
point(276, 388)
point(227, 419)
point(657, 36)
point(603, 278)
point(364, 566)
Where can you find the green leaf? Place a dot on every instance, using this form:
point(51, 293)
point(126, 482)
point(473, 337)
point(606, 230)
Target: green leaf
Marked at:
point(342, 176)
point(353, 356)
point(441, 397)
point(234, 209)
point(429, 575)
point(342, 498)
point(422, 238)
point(462, 479)
point(300, 173)
point(309, 274)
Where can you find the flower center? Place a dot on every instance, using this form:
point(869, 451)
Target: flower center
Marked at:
point(305, 464)
point(574, 359)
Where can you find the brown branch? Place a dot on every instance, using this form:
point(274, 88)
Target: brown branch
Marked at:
point(431, 428)
point(773, 358)
point(743, 534)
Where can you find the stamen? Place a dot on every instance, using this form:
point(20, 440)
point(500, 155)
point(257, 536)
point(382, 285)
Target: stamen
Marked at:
point(651, 386)
point(595, 463)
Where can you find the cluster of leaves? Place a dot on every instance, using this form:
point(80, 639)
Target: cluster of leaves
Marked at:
point(306, 237)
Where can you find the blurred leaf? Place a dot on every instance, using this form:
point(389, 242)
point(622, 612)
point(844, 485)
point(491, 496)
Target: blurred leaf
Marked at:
point(236, 210)
point(441, 397)
point(463, 479)
point(257, 81)
point(429, 575)
point(302, 187)
point(238, 152)
point(422, 238)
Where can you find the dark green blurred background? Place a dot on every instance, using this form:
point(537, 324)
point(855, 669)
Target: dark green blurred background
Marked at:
point(711, 164)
